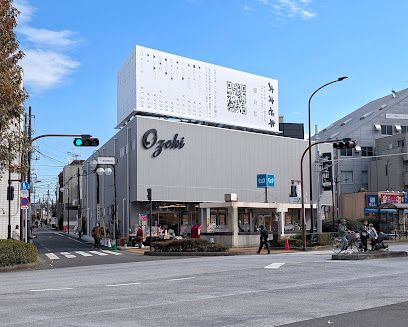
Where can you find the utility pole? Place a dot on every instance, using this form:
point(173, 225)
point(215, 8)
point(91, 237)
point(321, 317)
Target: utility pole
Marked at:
point(68, 204)
point(9, 196)
point(79, 208)
point(48, 209)
point(29, 135)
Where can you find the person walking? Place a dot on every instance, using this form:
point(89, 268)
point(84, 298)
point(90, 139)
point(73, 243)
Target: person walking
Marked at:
point(263, 239)
point(364, 234)
point(139, 237)
point(16, 234)
point(96, 234)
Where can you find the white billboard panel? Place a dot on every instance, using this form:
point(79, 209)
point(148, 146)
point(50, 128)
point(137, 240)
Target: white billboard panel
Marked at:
point(159, 83)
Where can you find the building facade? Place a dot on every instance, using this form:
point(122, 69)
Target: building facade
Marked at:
point(193, 132)
point(379, 118)
point(187, 164)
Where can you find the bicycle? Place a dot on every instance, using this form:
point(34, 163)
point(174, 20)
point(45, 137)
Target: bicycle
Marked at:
point(354, 243)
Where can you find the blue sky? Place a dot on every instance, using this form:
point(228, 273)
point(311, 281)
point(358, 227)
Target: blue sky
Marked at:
point(74, 49)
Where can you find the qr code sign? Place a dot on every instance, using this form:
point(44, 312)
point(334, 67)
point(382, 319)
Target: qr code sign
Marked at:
point(236, 98)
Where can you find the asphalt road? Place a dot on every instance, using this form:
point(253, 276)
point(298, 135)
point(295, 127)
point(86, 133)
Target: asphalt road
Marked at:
point(305, 289)
point(57, 250)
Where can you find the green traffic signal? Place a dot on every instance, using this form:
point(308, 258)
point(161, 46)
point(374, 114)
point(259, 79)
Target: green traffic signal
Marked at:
point(78, 142)
point(86, 141)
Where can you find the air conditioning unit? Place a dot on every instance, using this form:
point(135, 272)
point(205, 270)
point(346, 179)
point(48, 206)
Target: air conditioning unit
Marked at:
point(231, 197)
point(75, 202)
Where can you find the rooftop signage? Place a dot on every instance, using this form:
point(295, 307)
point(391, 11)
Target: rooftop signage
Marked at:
point(164, 84)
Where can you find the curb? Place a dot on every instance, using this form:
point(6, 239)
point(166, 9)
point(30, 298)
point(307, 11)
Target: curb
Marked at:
point(366, 256)
point(190, 254)
point(19, 267)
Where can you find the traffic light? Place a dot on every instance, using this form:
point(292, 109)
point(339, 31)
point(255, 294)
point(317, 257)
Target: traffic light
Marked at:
point(86, 141)
point(149, 194)
point(345, 144)
point(10, 193)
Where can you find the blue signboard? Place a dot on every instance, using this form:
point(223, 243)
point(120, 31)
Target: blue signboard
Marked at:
point(372, 200)
point(24, 185)
point(405, 196)
point(265, 180)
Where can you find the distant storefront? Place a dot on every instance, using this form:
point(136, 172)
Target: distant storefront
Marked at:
point(390, 207)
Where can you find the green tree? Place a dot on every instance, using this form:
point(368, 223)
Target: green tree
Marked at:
point(12, 93)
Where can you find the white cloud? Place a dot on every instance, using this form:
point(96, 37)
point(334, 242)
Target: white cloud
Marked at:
point(26, 11)
point(246, 8)
point(44, 69)
point(290, 8)
point(46, 63)
point(46, 37)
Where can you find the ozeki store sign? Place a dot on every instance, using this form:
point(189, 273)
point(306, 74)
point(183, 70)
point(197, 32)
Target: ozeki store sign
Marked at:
point(265, 180)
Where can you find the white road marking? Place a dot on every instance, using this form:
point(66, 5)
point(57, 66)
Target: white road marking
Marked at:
point(98, 253)
point(115, 285)
point(84, 253)
point(274, 265)
point(68, 255)
point(52, 289)
point(111, 252)
point(52, 256)
point(171, 280)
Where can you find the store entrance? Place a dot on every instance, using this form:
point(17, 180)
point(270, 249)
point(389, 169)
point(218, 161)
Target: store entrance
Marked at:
point(176, 219)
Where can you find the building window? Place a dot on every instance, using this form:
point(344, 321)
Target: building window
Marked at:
point(364, 177)
point(347, 152)
point(386, 129)
point(404, 129)
point(401, 143)
point(367, 151)
point(347, 177)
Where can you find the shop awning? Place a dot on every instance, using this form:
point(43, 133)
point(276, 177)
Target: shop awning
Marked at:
point(372, 210)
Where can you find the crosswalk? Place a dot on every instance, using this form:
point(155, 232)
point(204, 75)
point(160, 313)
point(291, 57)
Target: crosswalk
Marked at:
point(74, 254)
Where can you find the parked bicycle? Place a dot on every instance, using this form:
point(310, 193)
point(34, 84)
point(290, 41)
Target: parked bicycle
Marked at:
point(349, 243)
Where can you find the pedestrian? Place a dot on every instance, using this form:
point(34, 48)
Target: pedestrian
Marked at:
point(79, 231)
point(96, 234)
point(16, 234)
point(139, 237)
point(364, 234)
point(263, 239)
point(372, 235)
point(342, 232)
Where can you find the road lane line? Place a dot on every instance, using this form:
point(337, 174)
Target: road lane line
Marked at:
point(52, 256)
point(98, 253)
point(52, 289)
point(68, 255)
point(84, 253)
point(175, 279)
point(274, 265)
point(116, 285)
point(111, 252)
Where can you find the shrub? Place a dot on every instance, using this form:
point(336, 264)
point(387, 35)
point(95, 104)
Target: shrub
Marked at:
point(188, 245)
point(324, 238)
point(16, 252)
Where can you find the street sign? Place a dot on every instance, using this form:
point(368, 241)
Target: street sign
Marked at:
point(105, 160)
point(24, 193)
point(24, 203)
point(265, 180)
point(24, 185)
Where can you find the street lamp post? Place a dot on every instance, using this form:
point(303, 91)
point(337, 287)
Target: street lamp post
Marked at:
point(108, 171)
point(310, 145)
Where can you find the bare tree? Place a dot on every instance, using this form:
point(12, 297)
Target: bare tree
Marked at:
point(12, 93)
